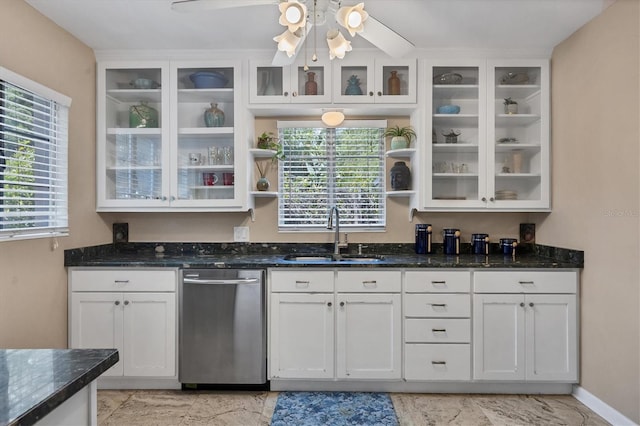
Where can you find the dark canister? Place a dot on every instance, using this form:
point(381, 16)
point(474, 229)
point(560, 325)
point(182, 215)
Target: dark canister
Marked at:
point(400, 176)
point(451, 240)
point(508, 246)
point(423, 238)
point(480, 243)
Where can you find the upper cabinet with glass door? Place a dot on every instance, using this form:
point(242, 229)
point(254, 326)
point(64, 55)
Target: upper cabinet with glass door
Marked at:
point(132, 135)
point(205, 116)
point(297, 83)
point(518, 134)
point(374, 80)
point(456, 114)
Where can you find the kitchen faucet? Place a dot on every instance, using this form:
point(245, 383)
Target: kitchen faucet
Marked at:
point(337, 245)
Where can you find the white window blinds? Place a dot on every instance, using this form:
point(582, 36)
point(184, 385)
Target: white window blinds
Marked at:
point(33, 159)
point(325, 167)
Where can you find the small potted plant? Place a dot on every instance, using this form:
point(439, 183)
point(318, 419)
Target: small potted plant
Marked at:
point(401, 137)
point(268, 141)
point(510, 106)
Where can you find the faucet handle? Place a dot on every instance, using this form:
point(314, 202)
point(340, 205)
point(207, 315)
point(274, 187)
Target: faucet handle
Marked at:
point(360, 247)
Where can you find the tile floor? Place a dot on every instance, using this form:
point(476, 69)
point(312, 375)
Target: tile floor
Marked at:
point(146, 407)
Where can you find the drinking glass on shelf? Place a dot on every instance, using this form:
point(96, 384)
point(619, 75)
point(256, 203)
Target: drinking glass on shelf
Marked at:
point(227, 155)
point(214, 155)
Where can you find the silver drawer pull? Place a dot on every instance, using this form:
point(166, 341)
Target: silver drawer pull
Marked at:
point(526, 282)
point(438, 305)
point(439, 362)
point(302, 284)
point(121, 281)
point(438, 282)
point(369, 283)
point(439, 330)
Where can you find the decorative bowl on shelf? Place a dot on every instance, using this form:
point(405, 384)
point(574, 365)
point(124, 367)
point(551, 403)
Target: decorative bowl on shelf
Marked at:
point(448, 109)
point(208, 80)
point(144, 83)
point(515, 78)
point(447, 78)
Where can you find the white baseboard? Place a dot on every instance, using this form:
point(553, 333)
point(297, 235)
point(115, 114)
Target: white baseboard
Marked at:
point(601, 408)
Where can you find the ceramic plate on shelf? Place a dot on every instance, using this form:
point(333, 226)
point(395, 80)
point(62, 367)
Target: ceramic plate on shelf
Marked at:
point(447, 78)
point(515, 78)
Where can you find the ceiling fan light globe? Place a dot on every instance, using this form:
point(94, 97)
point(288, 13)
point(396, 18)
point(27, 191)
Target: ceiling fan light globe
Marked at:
point(338, 45)
point(292, 15)
point(352, 18)
point(333, 118)
point(287, 42)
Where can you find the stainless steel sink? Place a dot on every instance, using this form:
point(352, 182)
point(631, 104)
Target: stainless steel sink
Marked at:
point(333, 258)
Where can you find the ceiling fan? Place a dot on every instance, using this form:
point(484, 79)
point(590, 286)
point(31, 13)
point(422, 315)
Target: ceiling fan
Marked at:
point(300, 16)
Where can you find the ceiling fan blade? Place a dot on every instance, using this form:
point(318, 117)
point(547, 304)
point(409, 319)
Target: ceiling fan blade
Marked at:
point(385, 39)
point(201, 5)
point(281, 58)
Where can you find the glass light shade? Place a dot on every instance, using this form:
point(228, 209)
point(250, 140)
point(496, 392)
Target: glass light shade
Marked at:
point(333, 118)
point(288, 42)
point(352, 18)
point(293, 15)
point(338, 45)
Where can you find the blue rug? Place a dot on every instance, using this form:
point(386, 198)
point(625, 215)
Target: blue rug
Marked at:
point(333, 408)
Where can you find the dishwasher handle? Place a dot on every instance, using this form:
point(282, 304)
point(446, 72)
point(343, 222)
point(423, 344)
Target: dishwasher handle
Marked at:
point(223, 281)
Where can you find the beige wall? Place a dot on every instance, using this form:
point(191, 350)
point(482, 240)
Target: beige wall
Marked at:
point(596, 138)
point(33, 290)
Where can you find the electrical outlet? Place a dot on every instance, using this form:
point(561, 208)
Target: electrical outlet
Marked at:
point(241, 234)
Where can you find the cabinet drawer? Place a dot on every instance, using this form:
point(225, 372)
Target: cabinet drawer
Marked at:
point(525, 282)
point(437, 281)
point(370, 281)
point(437, 362)
point(437, 305)
point(123, 280)
point(437, 330)
point(302, 281)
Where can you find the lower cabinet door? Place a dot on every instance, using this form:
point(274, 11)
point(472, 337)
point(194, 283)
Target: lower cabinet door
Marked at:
point(301, 336)
point(369, 341)
point(149, 334)
point(437, 361)
point(96, 323)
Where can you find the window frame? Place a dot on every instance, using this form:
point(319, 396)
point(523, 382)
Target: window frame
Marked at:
point(349, 124)
point(57, 222)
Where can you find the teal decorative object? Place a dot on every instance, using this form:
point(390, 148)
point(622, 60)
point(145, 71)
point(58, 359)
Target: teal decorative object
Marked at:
point(353, 86)
point(214, 116)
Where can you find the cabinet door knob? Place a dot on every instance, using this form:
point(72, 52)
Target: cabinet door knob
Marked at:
point(117, 302)
point(531, 304)
point(126, 302)
point(492, 199)
point(164, 198)
point(379, 93)
point(341, 303)
point(329, 304)
point(484, 199)
point(286, 93)
point(370, 93)
point(294, 94)
point(522, 304)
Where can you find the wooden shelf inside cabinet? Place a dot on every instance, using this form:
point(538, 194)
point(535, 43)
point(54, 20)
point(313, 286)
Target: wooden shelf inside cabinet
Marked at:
point(264, 194)
point(206, 95)
point(401, 153)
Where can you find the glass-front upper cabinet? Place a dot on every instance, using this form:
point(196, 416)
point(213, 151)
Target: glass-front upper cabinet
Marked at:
point(456, 116)
point(297, 83)
point(132, 135)
point(368, 80)
point(518, 134)
point(204, 117)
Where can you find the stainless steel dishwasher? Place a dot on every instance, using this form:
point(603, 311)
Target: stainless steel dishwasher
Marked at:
point(222, 331)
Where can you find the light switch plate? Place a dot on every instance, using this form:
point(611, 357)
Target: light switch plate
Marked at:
point(241, 234)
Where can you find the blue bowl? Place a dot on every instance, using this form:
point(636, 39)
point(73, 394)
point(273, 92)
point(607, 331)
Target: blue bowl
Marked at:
point(448, 109)
point(208, 80)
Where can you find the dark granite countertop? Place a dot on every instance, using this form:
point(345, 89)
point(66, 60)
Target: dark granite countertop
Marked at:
point(33, 382)
point(268, 255)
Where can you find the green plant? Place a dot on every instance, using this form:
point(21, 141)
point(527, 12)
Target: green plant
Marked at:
point(268, 141)
point(509, 101)
point(407, 131)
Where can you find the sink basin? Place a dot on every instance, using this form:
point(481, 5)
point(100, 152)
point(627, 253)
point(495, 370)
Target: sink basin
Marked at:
point(333, 258)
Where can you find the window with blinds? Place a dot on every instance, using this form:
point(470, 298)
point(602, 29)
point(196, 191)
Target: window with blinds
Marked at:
point(325, 167)
point(33, 159)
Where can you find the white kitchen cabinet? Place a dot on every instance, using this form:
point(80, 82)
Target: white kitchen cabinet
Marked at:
point(373, 76)
point(437, 325)
point(481, 157)
point(301, 335)
point(162, 167)
point(128, 311)
point(269, 84)
point(525, 337)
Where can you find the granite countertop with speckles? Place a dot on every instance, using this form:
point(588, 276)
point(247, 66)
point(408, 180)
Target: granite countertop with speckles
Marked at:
point(270, 255)
point(34, 382)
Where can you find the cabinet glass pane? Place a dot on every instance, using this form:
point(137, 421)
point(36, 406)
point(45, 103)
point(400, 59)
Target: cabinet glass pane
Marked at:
point(133, 118)
point(270, 81)
point(205, 146)
point(306, 80)
point(353, 81)
point(455, 133)
point(517, 156)
point(395, 80)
